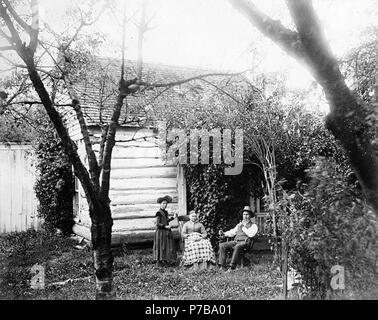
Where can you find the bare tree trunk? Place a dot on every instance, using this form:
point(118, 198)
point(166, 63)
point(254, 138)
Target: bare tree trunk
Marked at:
point(101, 233)
point(100, 213)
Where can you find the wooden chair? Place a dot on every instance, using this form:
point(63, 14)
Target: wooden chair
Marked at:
point(247, 249)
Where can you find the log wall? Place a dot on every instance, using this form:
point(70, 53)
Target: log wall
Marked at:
point(138, 177)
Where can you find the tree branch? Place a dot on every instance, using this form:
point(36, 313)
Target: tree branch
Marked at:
point(84, 23)
point(176, 83)
point(5, 36)
point(19, 91)
point(15, 38)
point(25, 118)
point(288, 39)
point(92, 161)
point(313, 39)
point(16, 17)
point(142, 28)
point(23, 102)
point(221, 90)
point(109, 144)
point(25, 67)
point(69, 145)
point(34, 30)
point(7, 48)
point(109, 141)
point(104, 132)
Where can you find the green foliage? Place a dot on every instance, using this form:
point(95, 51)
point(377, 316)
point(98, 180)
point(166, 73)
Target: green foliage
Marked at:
point(55, 185)
point(298, 137)
point(360, 65)
point(217, 198)
point(19, 122)
point(360, 69)
point(329, 224)
point(14, 129)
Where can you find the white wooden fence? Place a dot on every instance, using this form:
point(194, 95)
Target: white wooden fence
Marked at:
point(18, 204)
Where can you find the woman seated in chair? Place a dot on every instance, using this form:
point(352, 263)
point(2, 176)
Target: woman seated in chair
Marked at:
point(197, 248)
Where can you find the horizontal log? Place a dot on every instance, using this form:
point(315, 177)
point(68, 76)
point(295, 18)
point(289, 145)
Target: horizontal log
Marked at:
point(129, 223)
point(142, 208)
point(130, 184)
point(155, 192)
point(158, 172)
point(134, 215)
point(125, 236)
point(133, 163)
point(138, 199)
point(137, 224)
point(141, 189)
point(136, 152)
point(127, 133)
point(150, 142)
point(142, 215)
point(136, 209)
point(134, 224)
point(15, 146)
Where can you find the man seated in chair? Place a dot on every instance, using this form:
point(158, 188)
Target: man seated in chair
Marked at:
point(243, 232)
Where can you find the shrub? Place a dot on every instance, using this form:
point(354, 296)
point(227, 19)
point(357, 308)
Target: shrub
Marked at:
point(55, 185)
point(331, 225)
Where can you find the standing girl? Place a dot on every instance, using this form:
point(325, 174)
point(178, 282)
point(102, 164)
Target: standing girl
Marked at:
point(164, 245)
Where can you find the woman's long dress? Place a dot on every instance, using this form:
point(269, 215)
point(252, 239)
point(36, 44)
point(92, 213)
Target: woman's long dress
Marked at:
point(196, 251)
point(164, 244)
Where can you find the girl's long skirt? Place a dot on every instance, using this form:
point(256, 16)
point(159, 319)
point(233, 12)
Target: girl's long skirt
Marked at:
point(164, 246)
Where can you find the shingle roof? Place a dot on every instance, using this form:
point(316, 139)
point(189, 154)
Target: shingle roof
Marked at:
point(98, 89)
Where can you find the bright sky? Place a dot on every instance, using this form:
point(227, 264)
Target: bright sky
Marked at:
point(211, 34)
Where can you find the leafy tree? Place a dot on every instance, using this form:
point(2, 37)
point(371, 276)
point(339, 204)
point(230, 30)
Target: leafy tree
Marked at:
point(348, 117)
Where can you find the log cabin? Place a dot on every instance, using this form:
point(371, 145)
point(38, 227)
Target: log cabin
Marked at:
point(139, 173)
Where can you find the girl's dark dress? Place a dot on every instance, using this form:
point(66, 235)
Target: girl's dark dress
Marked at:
point(164, 245)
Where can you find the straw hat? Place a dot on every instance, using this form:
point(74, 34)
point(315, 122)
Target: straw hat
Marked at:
point(166, 198)
point(248, 209)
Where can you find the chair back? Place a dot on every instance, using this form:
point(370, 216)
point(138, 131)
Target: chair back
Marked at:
point(181, 221)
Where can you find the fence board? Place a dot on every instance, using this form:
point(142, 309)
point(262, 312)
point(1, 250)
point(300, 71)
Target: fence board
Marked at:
point(18, 204)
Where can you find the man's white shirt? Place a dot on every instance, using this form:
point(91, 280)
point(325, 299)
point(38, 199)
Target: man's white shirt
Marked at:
point(250, 232)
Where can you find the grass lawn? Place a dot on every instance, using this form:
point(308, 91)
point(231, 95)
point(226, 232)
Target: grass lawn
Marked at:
point(135, 276)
